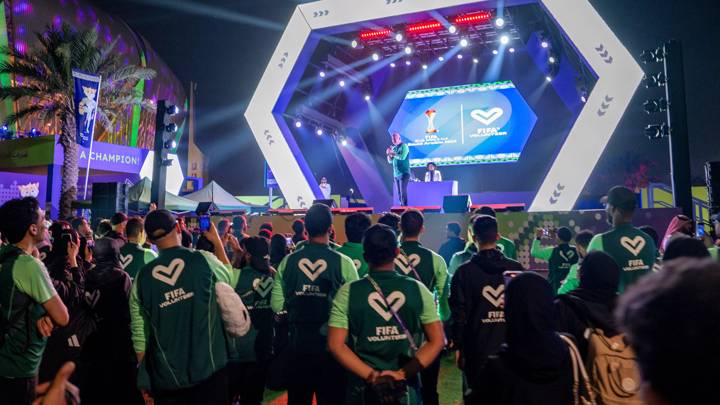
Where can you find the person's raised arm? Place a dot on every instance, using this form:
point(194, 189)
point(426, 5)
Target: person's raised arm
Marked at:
point(540, 252)
point(218, 245)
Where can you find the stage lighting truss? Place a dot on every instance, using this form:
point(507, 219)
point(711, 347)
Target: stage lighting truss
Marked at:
point(618, 76)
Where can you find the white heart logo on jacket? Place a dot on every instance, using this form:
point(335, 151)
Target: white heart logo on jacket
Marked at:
point(312, 269)
point(406, 264)
point(495, 296)
point(170, 274)
point(487, 117)
point(92, 298)
point(263, 286)
point(125, 260)
point(634, 246)
point(396, 299)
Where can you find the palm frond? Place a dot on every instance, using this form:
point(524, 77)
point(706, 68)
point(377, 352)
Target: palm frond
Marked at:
point(25, 112)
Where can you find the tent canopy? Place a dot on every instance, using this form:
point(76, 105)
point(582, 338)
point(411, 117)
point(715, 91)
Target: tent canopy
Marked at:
point(139, 198)
point(220, 199)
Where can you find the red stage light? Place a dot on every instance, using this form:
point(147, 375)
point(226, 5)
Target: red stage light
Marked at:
point(375, 34)
point(427, 26)
point(473, 18)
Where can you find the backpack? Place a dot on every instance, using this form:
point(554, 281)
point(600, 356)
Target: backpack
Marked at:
point(611, 365)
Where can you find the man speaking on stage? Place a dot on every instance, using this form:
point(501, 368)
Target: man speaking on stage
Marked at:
point(399, 156)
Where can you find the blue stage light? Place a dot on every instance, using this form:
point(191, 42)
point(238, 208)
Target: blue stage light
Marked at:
point(548, 78)
point(459, 56)
point(354, 43)
point(544, 44)
point(375, 57)
point(341, 83)
point(408, 63)
point(319, 131)
point(408, 50)
point(441, 58)
point(476, 60)
point(464, 43)
point(424, 67)
point(552, 59)
point(499, 22)
point(392, 65)
point(495, 52)
point(504, 39)
point(367, 97)
point(399, 37)
point(322, 73)
point(452, 29)
point(512, 50)
point(298, 124)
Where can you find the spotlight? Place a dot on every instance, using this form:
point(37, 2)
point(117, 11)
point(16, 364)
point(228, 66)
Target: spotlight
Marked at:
point(441, 58)
point(452, 29)
point(654, 80)
point(408, 50)
point(35, 132)
point(657, 131)
point(392, 65)
point(464, 42)
point(655, 106)
point(4, 128)
point(344, 142)
point(398, 37)
point(367, 97)
point(544, 44)
point(172, 110)
point(476, 60)
point(171, 128)
point(499, 22)
point(495, 52)
point(424, 67)
point(459, 56)
point(170, 144)
point(319, 131)
point(548, 78)
point(298, 124)
point(375, 57)
point(583, 98)
point(552, 59)
point(322, 73)
point(408, 63)
point(504, 39)
point(342, 83)
point(512, 50)
point(354, 43)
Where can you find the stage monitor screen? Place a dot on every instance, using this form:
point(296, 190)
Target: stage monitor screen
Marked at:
point(462, 125)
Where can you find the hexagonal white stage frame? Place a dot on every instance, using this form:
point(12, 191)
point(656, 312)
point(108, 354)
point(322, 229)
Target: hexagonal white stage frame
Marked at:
point(618, 77)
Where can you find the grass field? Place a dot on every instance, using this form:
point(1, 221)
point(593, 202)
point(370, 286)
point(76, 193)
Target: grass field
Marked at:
point(449, 386)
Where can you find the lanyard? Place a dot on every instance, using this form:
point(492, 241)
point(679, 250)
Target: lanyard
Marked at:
point(410, 339)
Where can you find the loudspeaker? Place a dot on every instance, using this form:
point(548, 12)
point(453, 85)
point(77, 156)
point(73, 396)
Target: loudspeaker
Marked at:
point(712, 177)
point(456, 204)
point(330, 203)
point(108, 198)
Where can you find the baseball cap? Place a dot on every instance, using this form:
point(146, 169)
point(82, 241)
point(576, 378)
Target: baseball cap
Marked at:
point(622, 198)
point(257, 246)
point(159, 224)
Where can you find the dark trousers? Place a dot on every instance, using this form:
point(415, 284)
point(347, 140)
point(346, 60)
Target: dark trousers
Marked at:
point(402, 185)
point(212, 391)
point(429, 381)
point(317, 374)
point(246, 382)
point(17, 391)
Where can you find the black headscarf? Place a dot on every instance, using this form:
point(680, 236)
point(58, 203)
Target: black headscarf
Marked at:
point(534, 348)
point(685, 246)
point(599, 279)
point(107, 254)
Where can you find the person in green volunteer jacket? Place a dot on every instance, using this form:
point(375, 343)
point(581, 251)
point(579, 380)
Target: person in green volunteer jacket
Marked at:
point(30, 308)
point(632, 249)
point(572, 281)
point(398, 155)
point(418, 262)
point(560, 258)
point(177, 329)
point(355, 226)
point(133, 256)
point(250, 354)
point(306, 282)
point(386, 316)
point(505, 245)
point(459, 258)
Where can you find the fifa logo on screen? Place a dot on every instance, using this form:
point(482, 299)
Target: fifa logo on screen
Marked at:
point(487, 117)
point(430, 114)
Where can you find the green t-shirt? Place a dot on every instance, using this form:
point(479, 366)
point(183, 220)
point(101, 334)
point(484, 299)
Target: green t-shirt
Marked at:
point(254, 288)
point(429, 268)
point(507, 247)
point(632, 249)
point(572, 281)
point(305, 285)
point(175, 318)
point(714, 253)
point(355, 252)
point(302, 243)
point(133, 257)
point(560, 258)
point(24, 286)
point(401, 161)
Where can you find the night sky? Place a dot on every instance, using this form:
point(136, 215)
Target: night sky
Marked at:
point(224, 46)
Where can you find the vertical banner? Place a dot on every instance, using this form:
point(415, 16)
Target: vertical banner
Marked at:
point(270, 181)
point(87, 99)
point(86, 102)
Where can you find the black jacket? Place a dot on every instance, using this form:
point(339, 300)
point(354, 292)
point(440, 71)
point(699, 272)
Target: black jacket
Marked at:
point(450, 247)
point(575, 313)
point(477, 295)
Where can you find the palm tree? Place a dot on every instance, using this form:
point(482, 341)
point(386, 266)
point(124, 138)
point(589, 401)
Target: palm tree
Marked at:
point(46, 90)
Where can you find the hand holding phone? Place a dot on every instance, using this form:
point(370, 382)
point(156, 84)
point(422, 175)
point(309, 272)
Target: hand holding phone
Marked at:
point(204, 223)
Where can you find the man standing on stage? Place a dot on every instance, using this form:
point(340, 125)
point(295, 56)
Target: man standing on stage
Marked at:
point(399, 156)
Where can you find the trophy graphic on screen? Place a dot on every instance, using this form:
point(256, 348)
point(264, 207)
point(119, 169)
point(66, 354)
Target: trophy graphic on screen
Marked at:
point(430, 114)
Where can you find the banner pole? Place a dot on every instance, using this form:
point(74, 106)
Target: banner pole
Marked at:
point(92, 137)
